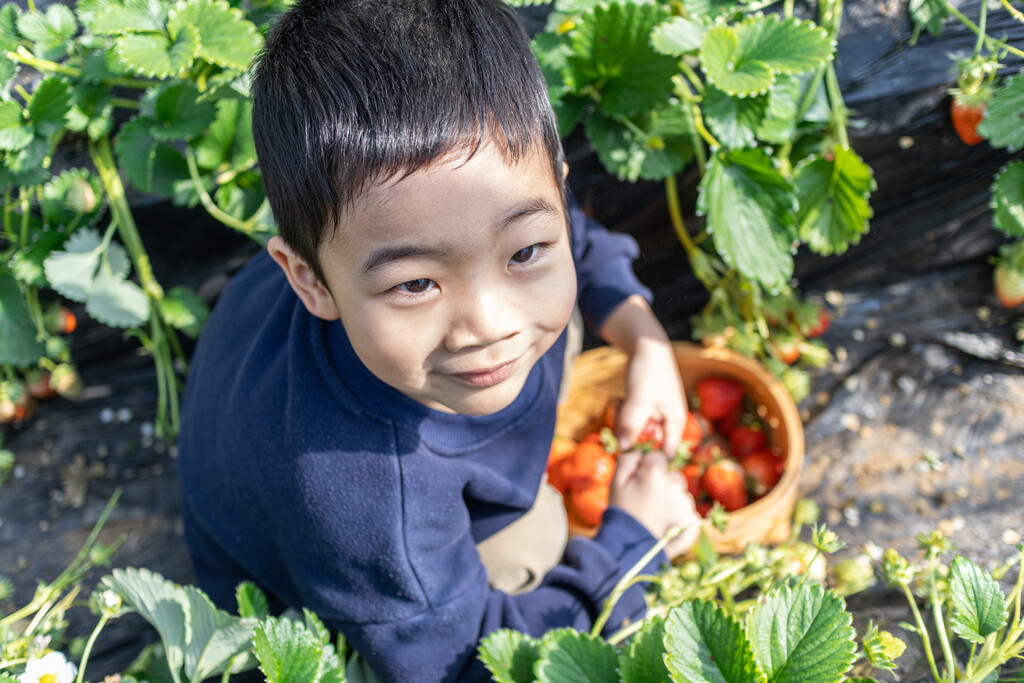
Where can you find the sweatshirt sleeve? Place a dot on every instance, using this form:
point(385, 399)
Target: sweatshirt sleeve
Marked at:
point(440, 643)
point(604, 267)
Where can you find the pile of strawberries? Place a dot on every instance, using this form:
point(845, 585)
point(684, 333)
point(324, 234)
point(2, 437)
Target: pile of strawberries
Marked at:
point(724, 455)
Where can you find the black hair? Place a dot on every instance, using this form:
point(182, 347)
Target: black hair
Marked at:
point(348, 93)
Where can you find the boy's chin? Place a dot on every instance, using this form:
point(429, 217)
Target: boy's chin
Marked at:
point(480, 402)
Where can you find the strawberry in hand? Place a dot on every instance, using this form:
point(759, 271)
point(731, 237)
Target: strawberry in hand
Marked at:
point(725, 482)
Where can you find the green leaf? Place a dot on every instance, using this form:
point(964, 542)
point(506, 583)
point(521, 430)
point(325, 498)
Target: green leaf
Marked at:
point(1003, 124)
point(929, 14)
point(644, 658)
point(14, 134)
point(114, 301)
point(568, 655)
point(179, 114)
point(226, 38)
point(228, 140)
point(252, 602)
point(833, 191)
point(612, 55)
point(744, 59)
point(750, 211)
point(71, 271)
point(169, 168)
point(802, 635)
point(215, 637)
point(26, 165)
point(734, 120)
point(51, 32)
point(704, 644)
point(131, 16)
point(19, 345)
point(160, 602)
point(27, 264)
point(287, 651)
point(9, 39)
point(136, 148)
point(509, 656)
point(710, 9)
point(979, 606)
point(678, 36)
point(1008, 199)
point(653, 149)
point(48, 109)
point(92, 109)
point(780, 123)
point(155, 55)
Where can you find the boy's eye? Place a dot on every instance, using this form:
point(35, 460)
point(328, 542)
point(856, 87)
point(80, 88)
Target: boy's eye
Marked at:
point(417, 286)
point(525, 254)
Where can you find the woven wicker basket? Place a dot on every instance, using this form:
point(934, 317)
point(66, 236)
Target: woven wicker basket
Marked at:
point(598, 377)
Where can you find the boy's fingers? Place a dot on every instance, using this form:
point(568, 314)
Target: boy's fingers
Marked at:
point(627, 464)
point(629, 422)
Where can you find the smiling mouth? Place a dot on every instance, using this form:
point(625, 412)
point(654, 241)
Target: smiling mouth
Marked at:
point(489, 377)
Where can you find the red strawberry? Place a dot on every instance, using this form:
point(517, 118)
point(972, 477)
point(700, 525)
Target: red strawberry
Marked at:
point(728, 424)
point(967, 113)
point(718, 396)
point(764, 469)
point(725, 482)
point(743, 440)
point(711, 450)
point(652, 436)
point(787, 349)
point(703, 507)
point(692, 474)
point(1009, 285)
point(819, 328)
point(692, 432)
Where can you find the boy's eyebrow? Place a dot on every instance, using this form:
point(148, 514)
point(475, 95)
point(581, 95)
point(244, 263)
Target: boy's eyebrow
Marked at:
point(389, 254)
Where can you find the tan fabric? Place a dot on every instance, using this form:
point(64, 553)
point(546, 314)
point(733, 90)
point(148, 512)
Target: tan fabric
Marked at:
point(518, 556)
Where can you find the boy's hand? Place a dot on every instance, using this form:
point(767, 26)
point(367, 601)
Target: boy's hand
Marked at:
point(654, 390)
point(656, 497)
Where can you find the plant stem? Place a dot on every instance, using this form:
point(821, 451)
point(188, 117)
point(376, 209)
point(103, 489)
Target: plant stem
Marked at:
point(940, 622)
point(982, 19)
point(627, 579)
point(1014, 12)
point(23, 56)
point(246, 227)
point(974, 27)
point(675, 213)
point(125, 103)
point(88, 647)
point(926, 640)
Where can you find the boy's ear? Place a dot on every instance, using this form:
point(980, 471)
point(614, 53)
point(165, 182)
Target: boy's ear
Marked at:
point(315, 297)
point(565, 169)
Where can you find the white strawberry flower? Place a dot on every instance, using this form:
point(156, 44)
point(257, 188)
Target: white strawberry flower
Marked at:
point(52, 667)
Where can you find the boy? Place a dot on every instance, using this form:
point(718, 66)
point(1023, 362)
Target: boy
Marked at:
point(375, 395)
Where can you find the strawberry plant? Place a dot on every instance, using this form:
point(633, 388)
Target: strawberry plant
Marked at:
point(158, 94)
point(753, 100)
point(988, 104)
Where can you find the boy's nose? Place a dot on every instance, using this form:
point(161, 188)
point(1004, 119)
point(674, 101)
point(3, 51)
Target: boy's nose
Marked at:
point(480, 320)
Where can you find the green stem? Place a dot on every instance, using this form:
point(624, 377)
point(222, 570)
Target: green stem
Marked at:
point(998, 658)
point(691, 77)
point(974, 27)
point(982, 20)
point(627, 579)
point(1014, 12)
point(675, 213)
point(787, 9)
point(835, 96)
point(926, 640)
point(940, 622)
point(23, 56)
point(88, 646)
point(26, 209)
point(8, 230)
point(246, 227)
point(35, 312)
point(125, 103)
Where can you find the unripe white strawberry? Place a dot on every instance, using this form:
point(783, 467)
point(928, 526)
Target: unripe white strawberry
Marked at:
point(1009, 285)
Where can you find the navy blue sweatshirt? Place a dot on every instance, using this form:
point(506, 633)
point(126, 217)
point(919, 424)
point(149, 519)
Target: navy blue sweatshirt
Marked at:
point(305, 473)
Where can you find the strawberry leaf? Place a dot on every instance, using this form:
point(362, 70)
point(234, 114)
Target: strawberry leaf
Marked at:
point(131, 16)
point(679, 35)
point(9, 39)
point(228, 140)
point(833, 194)
point(1003, 124)
point(155, 55)
point(744, 59)
point(612, 55)
point(653, 150)
point(750, 211)
point(288, 652)
point(644, 658)
point(49, 107)
point(19, 345)
point(733, 120)
point(929, 14)
point(226, 38)
point(179, 114)
point(802, 634)
point(114, 301)
point(704, 644)
point(50, 32)
point(568, 655)
point(136, 148)
point(71, 271)
point(215, 637)
point(780, 122)
point(979, 606)
point(1008, 199)
point(185, 310)
point(14, 134)
point(509, 656)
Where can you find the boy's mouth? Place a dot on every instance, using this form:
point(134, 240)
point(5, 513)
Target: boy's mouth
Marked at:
point(487, 377)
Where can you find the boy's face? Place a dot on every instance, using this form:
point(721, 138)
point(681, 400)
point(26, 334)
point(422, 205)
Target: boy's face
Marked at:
point(453, 281)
